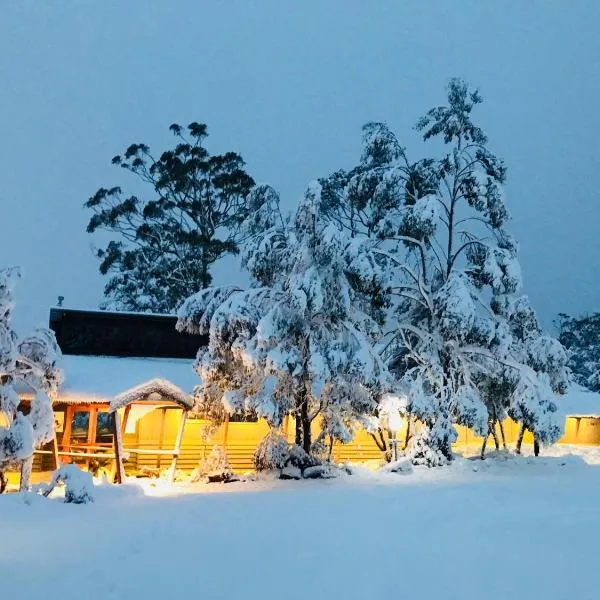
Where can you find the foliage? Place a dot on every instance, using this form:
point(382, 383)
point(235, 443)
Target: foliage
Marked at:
point(272, 453)
point(409, 263)
point(32, 363)
point(297, 342)
point(581, 337)
point(164, 246)
point(459, 329)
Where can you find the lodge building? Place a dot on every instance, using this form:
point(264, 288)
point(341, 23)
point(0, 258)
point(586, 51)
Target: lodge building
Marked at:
point(125, 403)
point(126, 400)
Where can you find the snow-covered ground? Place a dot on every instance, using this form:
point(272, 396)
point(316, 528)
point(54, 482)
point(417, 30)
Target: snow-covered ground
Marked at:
point(505, 528)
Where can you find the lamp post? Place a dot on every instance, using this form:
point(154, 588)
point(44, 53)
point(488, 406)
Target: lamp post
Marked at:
point(394, 422)
point(391, 409)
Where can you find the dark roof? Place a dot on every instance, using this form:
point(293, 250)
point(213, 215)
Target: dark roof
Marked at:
point(103, 333)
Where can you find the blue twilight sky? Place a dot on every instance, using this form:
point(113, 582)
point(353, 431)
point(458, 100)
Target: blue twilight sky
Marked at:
point(289, 84)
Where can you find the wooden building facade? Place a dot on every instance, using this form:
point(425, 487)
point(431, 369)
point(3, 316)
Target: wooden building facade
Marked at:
point(127, 393)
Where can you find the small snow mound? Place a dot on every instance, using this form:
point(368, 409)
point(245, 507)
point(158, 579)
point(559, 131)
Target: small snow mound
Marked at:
point(403, 466)
point(290, 472)
point(320, 472)
point(78, 484)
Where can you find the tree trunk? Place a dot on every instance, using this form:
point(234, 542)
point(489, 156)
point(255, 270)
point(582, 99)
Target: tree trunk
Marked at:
point(379, 441)
point(502, 434)
point(3, 482)
point(407, 438)
point(536, 446)
point(204, 269)
point(306, 433)
point(447, 449)
point(494, 435)
point(520, 438)
point(298, 431)
point(26, 467)
point(483, 447)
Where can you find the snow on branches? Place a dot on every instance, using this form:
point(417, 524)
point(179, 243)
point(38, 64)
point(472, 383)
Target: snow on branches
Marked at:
point(392, 267)
point(297, 342)
point(460, 336)
point(32, 363)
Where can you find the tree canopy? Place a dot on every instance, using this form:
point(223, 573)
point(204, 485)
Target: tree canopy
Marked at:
point(164, 245)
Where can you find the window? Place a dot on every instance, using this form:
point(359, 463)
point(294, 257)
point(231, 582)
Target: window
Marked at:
point(80, 425)
point(104, 427)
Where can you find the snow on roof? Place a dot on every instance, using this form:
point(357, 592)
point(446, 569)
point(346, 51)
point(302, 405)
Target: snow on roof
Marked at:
point(94, 379)
point(579, 402)
point(163, 388)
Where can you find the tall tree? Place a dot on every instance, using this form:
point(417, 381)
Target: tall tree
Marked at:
point(459, 325)
point(166, 244)
point(581, 337)
point(33, 362)
point(297, 342)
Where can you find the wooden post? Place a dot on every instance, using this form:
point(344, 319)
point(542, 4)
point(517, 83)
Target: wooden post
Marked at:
point(92, 425)
point(177, 449)
point(92, 428)
point(55, 451)
point(66, 439)
point(225, 430)
point(118, 448)
point(161, 434)
point(125, 419)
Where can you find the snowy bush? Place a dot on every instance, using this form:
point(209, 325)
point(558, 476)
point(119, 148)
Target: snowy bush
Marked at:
point(290, 472)
point(297, 457)
point(403, 466)
point(214, 468)
point(79, 485)
point(325, 471)
point(272, 453)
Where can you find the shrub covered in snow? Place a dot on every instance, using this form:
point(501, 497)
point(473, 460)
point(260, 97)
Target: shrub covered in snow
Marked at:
point(324, 471)
point(79, 485)
point(272, 453)
point(214, 468)
point(297, 457)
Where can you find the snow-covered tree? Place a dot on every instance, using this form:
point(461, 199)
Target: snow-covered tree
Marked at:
point(581, 337)
point(32, 364)
point(297, 342)
point(460, 328)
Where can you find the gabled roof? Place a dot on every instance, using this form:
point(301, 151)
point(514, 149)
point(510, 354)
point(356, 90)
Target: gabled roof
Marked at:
point(153, 390)
point(98, 379)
